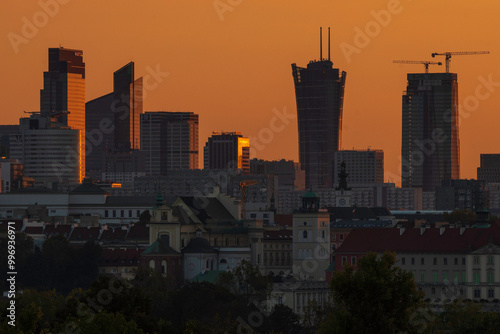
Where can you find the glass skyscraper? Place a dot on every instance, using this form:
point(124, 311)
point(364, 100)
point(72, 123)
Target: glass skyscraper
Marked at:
point(319, 91)
point(430, 150)
point(63, 93)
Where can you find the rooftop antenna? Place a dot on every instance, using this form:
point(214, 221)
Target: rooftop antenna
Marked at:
point(328, 43)
point(320, 43)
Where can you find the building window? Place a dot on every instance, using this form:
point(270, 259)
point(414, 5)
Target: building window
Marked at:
point(323, 234)
point(445, 261)
point(456, 261)
point(476, 277)
point(114, 213)
point(491, 293)
point(353, 260)
point(341, 237)
point(435, 261)
point(403, 261)
point(445, 277)
point(152, 264)
point(422, 260)
point(433, 291)
point(490, 277)
point(413, 261)
point(455, 278)
point(476, 260)
point(253, 215)
point(435, 275)
point(490, 259)
point(463, 261)
point(106, 213)
point(304, 234)
point(477, 293)
point(422, 277)
point(130, 213)
point(164, 267)
point(344, 260)
point(138, 213)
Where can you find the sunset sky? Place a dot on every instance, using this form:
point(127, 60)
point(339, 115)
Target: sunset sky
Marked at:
point(229, 61)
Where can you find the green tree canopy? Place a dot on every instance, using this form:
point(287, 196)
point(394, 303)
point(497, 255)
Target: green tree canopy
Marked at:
point(378, 297)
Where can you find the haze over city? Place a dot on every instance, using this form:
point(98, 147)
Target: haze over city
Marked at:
point(231, 65)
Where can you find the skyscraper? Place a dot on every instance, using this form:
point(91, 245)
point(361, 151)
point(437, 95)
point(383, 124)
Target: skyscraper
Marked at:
point(319, 92)
point(430, 150)
point(121, 109)
point(169, 141)
point(227, 150)
point(63, 93)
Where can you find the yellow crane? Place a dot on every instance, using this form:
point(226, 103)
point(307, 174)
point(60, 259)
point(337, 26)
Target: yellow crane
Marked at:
point(426, 63)
point(459, 53)
point(243, 187)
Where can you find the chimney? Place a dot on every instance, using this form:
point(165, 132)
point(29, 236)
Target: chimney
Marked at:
point(401, 230)
point(441, 230)
point(422, 230)
point(462, 230)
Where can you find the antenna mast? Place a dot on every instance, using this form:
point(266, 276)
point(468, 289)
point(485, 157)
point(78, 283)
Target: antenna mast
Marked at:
point(328, 43)
point(320, 43)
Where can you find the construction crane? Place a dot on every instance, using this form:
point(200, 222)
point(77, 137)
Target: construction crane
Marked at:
point(243, 187)
point(460, 53)
point(426, 63)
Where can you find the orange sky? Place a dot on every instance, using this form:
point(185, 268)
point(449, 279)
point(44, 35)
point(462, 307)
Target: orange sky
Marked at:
point(234, 71)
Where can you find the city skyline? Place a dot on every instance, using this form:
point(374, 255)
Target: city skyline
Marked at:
point(247, 104)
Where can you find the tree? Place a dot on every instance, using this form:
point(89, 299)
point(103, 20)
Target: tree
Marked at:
point(459, 216)
point(145, 217)
point(246, 280)
point(379, 297)
point(282, 320)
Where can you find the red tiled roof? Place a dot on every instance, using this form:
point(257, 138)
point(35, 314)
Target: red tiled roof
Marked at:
point(84, 233)
point(57, 229)
point(33, 230)
point(115, 234)
point(278, 235)
point(411, 240)
point(120, 257)
point(283, 220)
point(138, 232)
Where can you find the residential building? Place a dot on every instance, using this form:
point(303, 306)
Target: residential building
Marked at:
point(5, 132)
point(430, 150)
point(227, 150)
point(49, 150)
point(363, 166)
point(489, 170)
point(319, 92)
point(12, 176)
point(290, 175)
point(169, 141)
point(447, 263)
point(460, 195)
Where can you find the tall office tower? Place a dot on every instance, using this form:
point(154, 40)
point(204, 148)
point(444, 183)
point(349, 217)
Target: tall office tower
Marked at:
point(49, 150)
point(430, 150)
point(63, 93)
point(227, 150)
point(113, 120)
point(489, 170)
point(169, 141)
point(319, 91)
point(363, 166)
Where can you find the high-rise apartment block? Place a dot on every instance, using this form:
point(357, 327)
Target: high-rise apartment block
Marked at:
point(63, 94)
point(49, 150)
point(363, 166)
point(169, 141)
point(489, 170)
point(227, 150)
point(430, 150)
point(319, 92)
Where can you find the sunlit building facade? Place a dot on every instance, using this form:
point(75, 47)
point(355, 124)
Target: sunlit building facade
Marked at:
point(63, 93)
point(227, 150)
point(430, 150)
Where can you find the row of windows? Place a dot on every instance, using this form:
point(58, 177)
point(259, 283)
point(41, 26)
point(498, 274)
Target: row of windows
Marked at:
point(434, 261)
point(122, 213)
